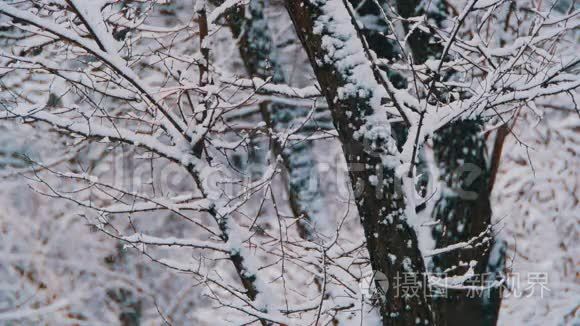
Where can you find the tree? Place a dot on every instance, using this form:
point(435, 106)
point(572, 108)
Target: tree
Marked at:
point(137, 88)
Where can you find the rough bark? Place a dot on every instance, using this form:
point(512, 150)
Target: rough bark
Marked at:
point(463, 209)
point(464, 212)
point(391, 241)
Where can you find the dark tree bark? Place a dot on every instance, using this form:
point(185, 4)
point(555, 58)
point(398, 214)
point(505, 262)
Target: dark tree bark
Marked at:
point(460, 154)
point(391, 241)
point(464, 209)
point(464, 213)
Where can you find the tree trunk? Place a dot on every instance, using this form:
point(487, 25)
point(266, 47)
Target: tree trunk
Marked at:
point(324, 30)
point(464, 213)
point(463, 209)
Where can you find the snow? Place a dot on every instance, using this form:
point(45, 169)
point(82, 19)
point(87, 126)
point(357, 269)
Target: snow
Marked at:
point(80, 127)
point(28, 313)
point(345, 52)
point(119, 216)
point(139, 238)
point(91, 12)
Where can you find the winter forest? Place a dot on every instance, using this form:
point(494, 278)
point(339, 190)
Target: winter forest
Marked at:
point(289, 162)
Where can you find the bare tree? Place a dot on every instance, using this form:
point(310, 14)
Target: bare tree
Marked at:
point(165, 104)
